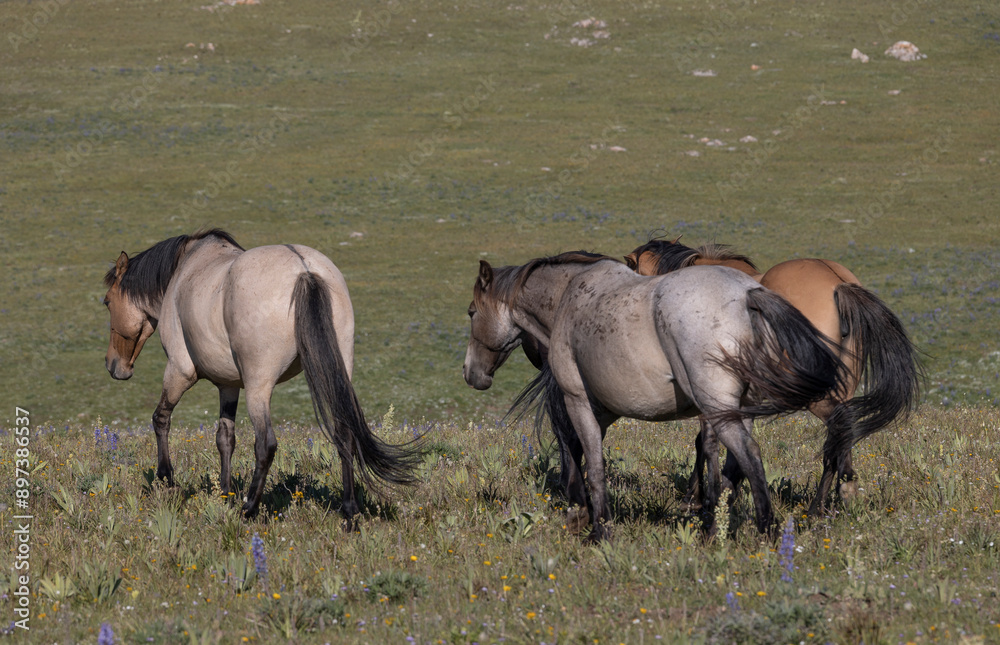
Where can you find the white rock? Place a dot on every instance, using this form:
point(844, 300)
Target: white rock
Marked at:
point(749, 139)
point(905, 51)
point(704, 72)
point(857, 55)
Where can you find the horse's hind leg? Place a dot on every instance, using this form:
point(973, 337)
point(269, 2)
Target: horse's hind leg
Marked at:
point(349, 507)
point(265, 444)
point(175, 384)
point(736, 437)
point(225, 435)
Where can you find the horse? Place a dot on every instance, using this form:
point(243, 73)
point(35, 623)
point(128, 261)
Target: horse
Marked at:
point(865, 334)
point(702, 341)
point(248, 319)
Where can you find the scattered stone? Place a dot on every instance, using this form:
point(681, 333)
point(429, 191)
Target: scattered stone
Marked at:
point(894, 92)
point(704, 72)
point(754, 67)
point(616, 149)
point(857, 55)
point(356, 234)
point(587, 23)
point(749, 139)
point(693, 153)
point(905, 51)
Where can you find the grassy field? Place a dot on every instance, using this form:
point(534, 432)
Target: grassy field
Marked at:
point(407, 140)
point(477, 552)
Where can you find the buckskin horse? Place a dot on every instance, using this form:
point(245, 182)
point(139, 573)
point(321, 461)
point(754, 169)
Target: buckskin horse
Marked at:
point(865, 334)
point(248, 319)
point(675, 346)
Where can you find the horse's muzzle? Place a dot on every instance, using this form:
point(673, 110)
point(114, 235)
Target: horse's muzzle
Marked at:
point(477, 379)
point(117, 370)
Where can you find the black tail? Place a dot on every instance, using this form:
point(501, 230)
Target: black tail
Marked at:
point(788, 365)
point(552, 404)
point(887, 362)
point(336, 405)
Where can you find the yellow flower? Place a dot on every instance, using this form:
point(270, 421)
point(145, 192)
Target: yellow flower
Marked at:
point(487, 562)
point(761, 593)
point(642, 610)
point(276, 595)
point(530, 615)
point(413, 558)
point(552, 576)
point(506, 587)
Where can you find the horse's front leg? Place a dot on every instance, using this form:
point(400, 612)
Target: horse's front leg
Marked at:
point(225, 435)
point(265, 444)
point(175, 384)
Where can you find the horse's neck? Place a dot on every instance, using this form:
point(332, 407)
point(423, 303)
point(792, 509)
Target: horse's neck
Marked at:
point(739, 265)
point(536, 304)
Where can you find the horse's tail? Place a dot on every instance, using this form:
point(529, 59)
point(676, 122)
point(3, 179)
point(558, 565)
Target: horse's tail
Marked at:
point(788, 365)
point(889, 373)
point(334, 401)
point(544, 396)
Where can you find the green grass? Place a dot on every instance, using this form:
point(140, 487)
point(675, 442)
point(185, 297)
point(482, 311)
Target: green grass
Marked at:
point(478, 552)
point(447, 133)
point(428, 127)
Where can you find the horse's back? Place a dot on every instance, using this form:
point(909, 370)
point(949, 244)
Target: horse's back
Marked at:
point(809, 284)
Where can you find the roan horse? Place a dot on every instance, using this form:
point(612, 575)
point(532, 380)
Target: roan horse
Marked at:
point(248, 319)
point(619, 344)
point(864, 333)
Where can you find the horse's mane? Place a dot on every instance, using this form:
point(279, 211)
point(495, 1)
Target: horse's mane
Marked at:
point(149, 272)
point(508, 281)
point(672, 255)
point(723, 252)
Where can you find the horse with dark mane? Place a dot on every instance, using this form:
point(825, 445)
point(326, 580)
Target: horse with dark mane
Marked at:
point(248, 319)
point(705, 341)
point(864, 333)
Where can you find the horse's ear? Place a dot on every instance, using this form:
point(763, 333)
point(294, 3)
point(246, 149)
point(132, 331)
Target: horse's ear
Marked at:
point(630, 260)
point(677, 240)
point(485, 274)
point(121, 265)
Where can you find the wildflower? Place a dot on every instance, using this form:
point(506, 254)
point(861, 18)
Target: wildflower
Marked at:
point(276, 595)
point(787, 550)
point(259, 557)
point(106, 636)
point(530, 615)
point(413, 558)
point(732, 602)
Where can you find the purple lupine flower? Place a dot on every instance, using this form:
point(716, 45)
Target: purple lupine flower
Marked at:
point(259, 557)
point(732, 602)
point(787, 550)
point(97, 436)
point(309, 442)
point(106, 636)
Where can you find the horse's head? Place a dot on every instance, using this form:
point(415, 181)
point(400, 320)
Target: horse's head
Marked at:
point(131, 326)
point(645, 260)
point(494, 335)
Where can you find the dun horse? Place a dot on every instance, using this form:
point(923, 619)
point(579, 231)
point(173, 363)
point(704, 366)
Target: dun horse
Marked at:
point(861, 330)
point(675, 346)
point(248, 319)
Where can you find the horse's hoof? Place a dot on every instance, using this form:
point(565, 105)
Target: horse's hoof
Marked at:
point(848, 490)
point(577, 519)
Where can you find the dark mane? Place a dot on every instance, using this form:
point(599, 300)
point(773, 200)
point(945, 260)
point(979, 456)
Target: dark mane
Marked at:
point(149, 272)
point(670, 256)
point(508, 281)
point(723, 252)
